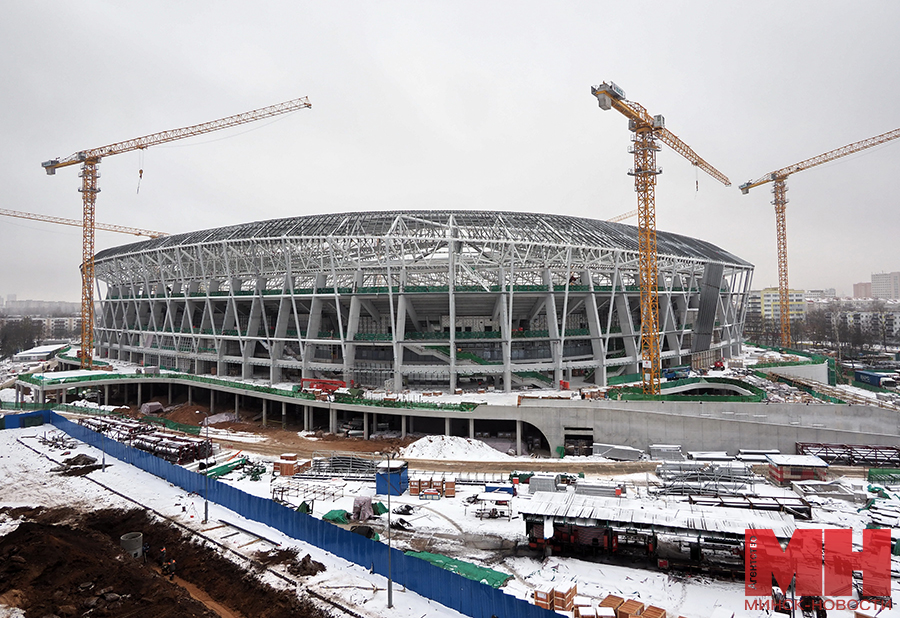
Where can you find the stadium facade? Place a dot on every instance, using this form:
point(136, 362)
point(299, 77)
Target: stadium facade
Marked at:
point(415, 299)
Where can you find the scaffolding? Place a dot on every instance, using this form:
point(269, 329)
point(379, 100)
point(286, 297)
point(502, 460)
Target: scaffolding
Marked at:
point(852, 454)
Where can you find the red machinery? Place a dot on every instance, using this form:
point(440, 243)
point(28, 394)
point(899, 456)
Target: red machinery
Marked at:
point(322, 384)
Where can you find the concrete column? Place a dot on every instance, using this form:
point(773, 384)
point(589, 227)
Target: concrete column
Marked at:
point(332, 420)
point(446, 425)
point(518, 437)
point(553, 329)
point(237, 401)
point(283, 414)
point(352, 329)
point(365, 425)
point(106, 394)
point(170, 393)
point(307, 418)
point(313, 326)
point(190, 395)
point(403, 425)
point(471, 428)
point(506, 340)
point(593, 320)
point(264, 401)
point(139, 388)
point(212, 401)
point(63, 391)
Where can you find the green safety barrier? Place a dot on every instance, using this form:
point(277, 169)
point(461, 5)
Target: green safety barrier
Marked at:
point(157, 420)
point(635, 394)
point(492, 578)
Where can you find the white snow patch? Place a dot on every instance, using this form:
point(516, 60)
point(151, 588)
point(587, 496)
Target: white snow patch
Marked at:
point(452, 447)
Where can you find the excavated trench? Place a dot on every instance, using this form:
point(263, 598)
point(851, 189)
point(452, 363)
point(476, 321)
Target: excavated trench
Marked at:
point(64, 563)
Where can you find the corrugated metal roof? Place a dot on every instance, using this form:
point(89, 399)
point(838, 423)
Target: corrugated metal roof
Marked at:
point(660, 513)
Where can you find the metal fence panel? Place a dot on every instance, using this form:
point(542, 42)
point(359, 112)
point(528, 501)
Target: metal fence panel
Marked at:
point(454, 591)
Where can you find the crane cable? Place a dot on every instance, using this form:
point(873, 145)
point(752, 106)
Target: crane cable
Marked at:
point(141, 169)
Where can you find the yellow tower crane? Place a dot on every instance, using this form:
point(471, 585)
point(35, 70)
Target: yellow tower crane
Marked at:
point(646, 130)
point(623, 216)
point(106, 227)
point(779, 190)
point(90, 160)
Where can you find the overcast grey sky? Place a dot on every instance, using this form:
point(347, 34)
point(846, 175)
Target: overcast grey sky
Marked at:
point(469, 105)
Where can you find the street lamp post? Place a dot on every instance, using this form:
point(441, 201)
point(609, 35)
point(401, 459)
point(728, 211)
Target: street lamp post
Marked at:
point(206, 474)
point(390, 587)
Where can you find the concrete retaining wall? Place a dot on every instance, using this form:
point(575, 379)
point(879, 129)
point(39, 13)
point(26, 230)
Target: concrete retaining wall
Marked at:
point(712, 426)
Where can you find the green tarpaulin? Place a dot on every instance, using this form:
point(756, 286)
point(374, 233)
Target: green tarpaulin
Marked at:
point(337, 516)
point(379, 509)
point(468, 570)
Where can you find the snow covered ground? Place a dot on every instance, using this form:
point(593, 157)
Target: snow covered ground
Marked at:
point(29, 482)
point(446, 526)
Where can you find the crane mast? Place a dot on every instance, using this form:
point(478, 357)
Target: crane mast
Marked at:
point(646, 131)
point(90, 160)
point(778, 179)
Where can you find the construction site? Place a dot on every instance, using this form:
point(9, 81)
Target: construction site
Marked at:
point(420, 410)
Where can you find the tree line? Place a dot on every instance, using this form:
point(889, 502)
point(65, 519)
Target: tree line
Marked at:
point(837, 325)
point(19, 335)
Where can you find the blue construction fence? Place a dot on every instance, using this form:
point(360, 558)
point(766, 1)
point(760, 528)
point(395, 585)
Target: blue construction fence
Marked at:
point(454, 591)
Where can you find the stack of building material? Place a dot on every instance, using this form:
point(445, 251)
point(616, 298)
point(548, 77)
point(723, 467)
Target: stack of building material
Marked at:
point(617, 452)
point(629, 609)
point(710, 456)
point(666, 452)
point(651, 611)
point(600, 488)
point(543, 596)
point(543, 482)
point(605, 612)
point(705, 478)
point(584, 607)
point(564, 596)
point(287, 465)
point(612, 602)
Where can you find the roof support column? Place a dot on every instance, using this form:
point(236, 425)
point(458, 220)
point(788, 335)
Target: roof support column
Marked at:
point(451, 280)
point(352, 329)
point(593, 320)
point(553, 329)
point(315, 322)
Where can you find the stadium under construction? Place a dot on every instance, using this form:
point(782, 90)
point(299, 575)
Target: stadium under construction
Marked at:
point(415, 299)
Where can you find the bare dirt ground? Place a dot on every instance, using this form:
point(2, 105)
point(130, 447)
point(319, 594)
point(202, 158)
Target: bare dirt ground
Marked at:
point(61, 563)
point(288, 440)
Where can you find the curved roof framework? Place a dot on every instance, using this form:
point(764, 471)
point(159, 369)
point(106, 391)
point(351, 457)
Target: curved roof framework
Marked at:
point(544, 229)
point(518, 296)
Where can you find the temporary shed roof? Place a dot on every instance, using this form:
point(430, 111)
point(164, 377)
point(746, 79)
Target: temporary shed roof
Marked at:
point(656, 513)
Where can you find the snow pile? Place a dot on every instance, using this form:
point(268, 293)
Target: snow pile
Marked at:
point(84, 403)
point(8, 395)
point(451, 447)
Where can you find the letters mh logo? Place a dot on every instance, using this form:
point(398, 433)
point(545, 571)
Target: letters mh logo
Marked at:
point(822, 560)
